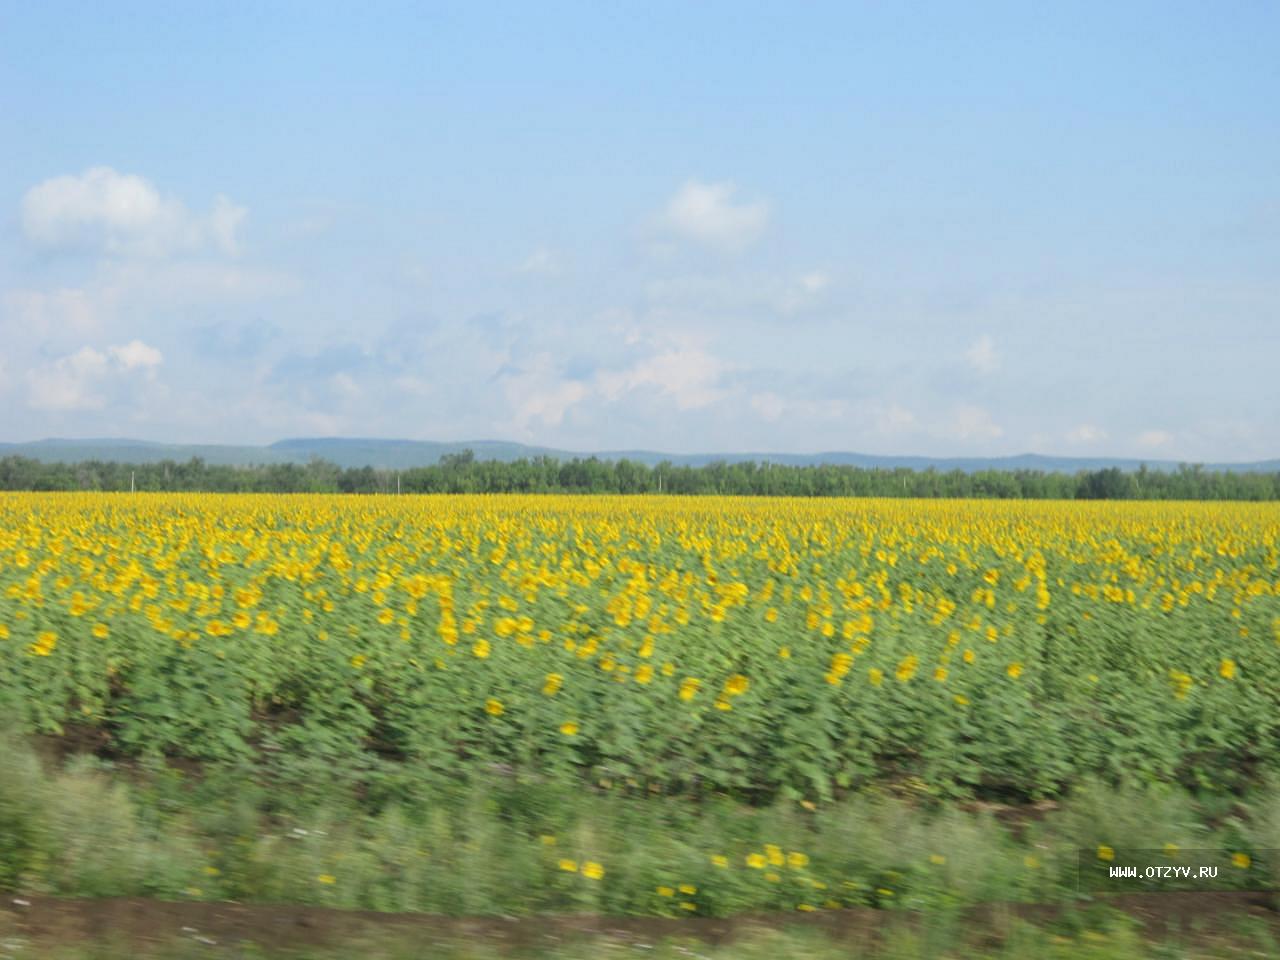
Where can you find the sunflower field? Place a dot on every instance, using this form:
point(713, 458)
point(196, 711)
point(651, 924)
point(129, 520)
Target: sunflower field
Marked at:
point(757, 647)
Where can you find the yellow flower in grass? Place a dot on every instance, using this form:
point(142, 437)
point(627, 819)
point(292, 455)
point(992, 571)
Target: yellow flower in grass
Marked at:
point(666, 892)
point(688, 889)
point(755, 861)
point(494, 707)
point(1106, 853)
point(359, 660)
point(592, 870)
point(1182, 683)
point(569, 729)
point(797, 860)
point(100, 630)
point(552, 684)
point(689, 688)
point(719, 860)
point(569, 866)
point(1014, 670)
point(1241, 860)
point(774, 854)
point(327, 878)
point(736, 685)
point(907, 668)
point(481, 649)
point(44, 644)
point(876, 676)
point(1227, 669)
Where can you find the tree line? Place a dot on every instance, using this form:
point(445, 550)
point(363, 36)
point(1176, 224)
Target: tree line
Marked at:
point(463, 473)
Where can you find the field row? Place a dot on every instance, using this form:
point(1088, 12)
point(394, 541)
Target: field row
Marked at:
point(751, 645)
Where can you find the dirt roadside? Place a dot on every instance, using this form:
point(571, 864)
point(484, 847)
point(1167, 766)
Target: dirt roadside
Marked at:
point(53, 922)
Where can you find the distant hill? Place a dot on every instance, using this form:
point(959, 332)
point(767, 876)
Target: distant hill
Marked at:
point(403, 454)
point(140, 451)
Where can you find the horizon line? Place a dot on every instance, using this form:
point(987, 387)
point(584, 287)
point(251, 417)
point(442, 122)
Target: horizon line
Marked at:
point(645, 451)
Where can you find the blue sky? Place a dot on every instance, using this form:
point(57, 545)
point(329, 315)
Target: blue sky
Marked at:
point(946, 229)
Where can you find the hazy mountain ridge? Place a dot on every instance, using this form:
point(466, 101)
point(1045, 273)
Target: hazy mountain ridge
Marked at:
point(404, 454)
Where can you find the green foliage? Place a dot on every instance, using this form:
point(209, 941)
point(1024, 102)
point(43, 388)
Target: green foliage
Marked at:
point(463, 473)
point(24, 827)
point(770, 649)
point(495, 845)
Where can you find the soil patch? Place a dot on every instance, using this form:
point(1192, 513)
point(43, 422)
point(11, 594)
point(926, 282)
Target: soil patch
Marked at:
point(55, 921)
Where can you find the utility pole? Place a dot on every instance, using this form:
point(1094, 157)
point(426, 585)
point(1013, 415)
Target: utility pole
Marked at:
point(397, 483)
point(131, 481)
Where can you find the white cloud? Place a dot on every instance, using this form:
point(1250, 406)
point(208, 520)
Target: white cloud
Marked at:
point(982, 355)
point(542, 262)
point(102, 211)
point(671, 370)
point(1086, 433)
point(814, 282)
point(68, 383)
point(136, 355)
point(969, 422)
point(345, 386)
point(77, 381)
point(49, 313)
point(1155, 438)
point(707, 214)
point(687, 374)
point(124, 298)
point(893, 420)
point(224, 221)
point(802, 292)
point(536, 393)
